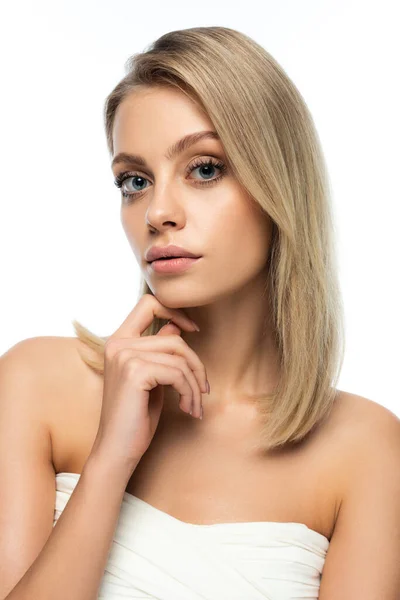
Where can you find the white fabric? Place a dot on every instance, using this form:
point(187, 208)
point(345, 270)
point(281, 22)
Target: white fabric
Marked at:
point(155, 556)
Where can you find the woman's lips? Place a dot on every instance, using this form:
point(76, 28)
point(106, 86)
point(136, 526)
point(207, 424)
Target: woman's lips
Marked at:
point(173, 265)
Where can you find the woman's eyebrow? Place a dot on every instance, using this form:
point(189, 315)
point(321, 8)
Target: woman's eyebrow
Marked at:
point(173, 151)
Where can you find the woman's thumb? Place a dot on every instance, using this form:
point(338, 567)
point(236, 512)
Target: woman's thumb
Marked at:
point(169, 329)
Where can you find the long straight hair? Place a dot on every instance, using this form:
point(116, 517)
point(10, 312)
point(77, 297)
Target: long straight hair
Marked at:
point(274, 151)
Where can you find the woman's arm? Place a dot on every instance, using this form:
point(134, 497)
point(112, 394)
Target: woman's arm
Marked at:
point(39, 561)
point(73, 560)
point(363, 558)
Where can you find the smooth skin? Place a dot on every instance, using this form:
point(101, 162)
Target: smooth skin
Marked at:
point(136, 371)
point(223, 292)
point(44, 392)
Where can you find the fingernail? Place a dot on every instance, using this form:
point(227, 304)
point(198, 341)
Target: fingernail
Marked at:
point(208, 387)
point(201, 412)
point(196, 326)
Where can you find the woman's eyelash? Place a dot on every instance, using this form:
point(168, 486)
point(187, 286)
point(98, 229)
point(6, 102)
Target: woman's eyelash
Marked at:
point(121, 177)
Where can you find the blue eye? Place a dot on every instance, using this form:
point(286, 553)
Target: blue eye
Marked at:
point(140, 180)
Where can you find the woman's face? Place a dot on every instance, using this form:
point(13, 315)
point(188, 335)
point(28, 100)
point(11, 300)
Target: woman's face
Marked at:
point(179, 201)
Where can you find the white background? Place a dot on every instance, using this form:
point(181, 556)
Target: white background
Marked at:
point(64, 254)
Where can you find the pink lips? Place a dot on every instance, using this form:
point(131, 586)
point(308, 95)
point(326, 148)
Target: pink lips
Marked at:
point(173, 265)
point(156, 252)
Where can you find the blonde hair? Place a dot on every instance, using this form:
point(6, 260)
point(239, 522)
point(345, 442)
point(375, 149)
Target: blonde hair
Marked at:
point(274, 151)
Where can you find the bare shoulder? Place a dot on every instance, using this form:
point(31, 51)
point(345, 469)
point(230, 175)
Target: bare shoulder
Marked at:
point(363, 420)
point(375, 433)
point(46, 350)
point(23, 377)
point(354, 417)
point(67, 390)
point(367, 527)
point(66, 376)
point(54, 359)
point(53, 363)
point(363, 436)
point(42, 357)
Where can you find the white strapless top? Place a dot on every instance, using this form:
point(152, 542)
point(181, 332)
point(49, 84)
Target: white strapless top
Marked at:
point(156, 556)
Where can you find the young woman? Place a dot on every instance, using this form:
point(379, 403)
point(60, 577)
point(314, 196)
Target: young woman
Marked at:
point(217, 461)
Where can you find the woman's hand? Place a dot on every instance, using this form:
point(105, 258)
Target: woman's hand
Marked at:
point(135, 371)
